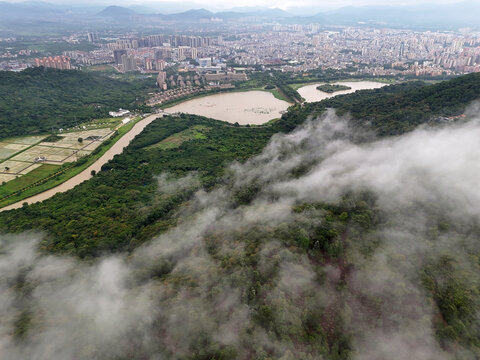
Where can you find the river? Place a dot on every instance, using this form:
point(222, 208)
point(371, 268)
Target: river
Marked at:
point(247, 107)
point(311, 94)
point(86, 174)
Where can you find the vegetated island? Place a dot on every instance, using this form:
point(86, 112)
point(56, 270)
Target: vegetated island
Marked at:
point(331, 88)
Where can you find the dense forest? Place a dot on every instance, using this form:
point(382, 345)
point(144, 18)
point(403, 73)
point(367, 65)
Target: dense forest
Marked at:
point(242, 266)
point(398, 108)
point(39, 99)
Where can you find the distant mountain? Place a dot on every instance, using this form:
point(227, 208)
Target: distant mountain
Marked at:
point(260, 11)
point(28, 9)
point(116, 12)
point(140, 9)
point(419, 17)
point(445, 16)
point(193, 14)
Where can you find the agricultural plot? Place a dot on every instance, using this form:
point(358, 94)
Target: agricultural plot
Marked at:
point(41, 152)
point(8, 148)
point(27, 140)
point(6, 178)
point(47, 152)
point(14, 167)
point(89, 137)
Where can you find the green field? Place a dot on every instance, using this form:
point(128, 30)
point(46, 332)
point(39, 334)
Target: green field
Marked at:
point(175, 140)
point(101, 68)
point(27, 179)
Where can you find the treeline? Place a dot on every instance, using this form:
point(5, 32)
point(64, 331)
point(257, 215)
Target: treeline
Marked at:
point(37, 99)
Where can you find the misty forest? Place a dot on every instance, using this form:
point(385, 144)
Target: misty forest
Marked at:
point(348, 229)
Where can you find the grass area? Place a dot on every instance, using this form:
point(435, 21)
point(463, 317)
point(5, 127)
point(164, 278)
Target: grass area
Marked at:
point(101, 68)
point(28, 179)
point(278, 94)
point(175, 140)
point(44, 178)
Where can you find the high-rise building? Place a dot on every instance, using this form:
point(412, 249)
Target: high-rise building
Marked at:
point(93, 37)
point(161, 80)
point(160, 65)
point(163, 53)
point(194, 53)
point(128, 63)
point(117, 56)
point(149, 64)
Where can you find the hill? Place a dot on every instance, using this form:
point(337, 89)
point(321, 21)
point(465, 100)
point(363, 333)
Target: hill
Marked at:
point(116, 12)
point(303, 239)
point(37, 99)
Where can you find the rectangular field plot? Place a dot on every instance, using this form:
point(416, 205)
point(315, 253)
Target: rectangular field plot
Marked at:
point(70, 140)
point(27, 140)
point(85, 134)
point(30, 168)
point(50, 153)
point(13, 166)
point(5, 153)
point(8, 149)
point(92, 146)
point(65, 144)
point(6, 178)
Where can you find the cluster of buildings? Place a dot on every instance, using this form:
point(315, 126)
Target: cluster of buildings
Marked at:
point(163, 40)
point(289, 48)
point(177, 93)
point(300, 48)
point(57, 62)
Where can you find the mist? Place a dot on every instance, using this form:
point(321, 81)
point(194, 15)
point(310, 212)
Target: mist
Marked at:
point(228, 277)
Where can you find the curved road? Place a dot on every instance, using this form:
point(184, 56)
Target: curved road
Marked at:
point(117, 148)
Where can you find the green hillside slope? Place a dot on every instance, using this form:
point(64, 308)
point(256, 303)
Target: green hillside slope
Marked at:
point(37, 99)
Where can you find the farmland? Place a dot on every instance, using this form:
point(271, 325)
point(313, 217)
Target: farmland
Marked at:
point(34, 161)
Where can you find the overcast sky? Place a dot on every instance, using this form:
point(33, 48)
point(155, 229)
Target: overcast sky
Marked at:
point(226, 4)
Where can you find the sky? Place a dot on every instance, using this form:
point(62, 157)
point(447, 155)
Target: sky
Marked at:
point(226, 4)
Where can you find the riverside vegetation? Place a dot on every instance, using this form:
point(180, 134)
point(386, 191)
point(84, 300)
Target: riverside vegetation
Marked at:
point(130, 202)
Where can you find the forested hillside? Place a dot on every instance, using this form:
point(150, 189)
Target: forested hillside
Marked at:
point(301, 239)
point(37, 99)
point(395, 109)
